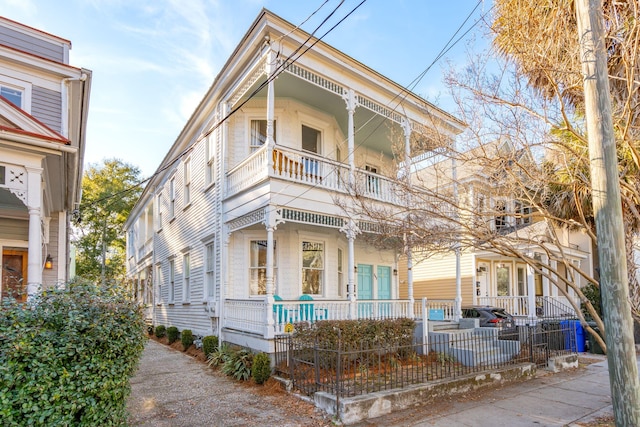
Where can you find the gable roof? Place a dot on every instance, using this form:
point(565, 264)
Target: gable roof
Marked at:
point(14, 120)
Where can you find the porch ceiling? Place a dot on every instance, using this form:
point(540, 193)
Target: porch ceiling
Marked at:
point(372, 130)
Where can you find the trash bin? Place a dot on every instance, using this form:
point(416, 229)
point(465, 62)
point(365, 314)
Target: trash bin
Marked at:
point(571, 329)
point(594, 346)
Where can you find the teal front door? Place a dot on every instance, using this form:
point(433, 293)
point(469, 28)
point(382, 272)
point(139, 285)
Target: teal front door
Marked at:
point(384, 290)
point(365, 290)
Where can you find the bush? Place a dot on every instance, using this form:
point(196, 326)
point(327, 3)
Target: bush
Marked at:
point(161, 331)
point(238, 364)
point(209, 345)
point(261, 368)
point(66, 358)
point(172, 334)
point(187, 339)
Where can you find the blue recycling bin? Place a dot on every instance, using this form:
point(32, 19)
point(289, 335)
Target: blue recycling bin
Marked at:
point(573, 328)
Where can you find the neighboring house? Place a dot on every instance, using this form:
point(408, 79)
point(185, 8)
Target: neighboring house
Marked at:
point(487, 277)
point(43, 115)
point(239, 231)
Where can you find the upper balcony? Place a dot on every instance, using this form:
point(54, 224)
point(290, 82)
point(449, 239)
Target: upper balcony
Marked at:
point(309, 169)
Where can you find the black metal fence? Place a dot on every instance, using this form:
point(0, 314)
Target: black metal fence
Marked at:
point(347, 369)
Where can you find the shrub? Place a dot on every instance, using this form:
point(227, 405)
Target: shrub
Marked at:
point(187, 339)
point(238, 364)
point(161, 331)
point(261, 368)
point(66, 358)
point(172, 334)
point(209, 345)
point(219, 356)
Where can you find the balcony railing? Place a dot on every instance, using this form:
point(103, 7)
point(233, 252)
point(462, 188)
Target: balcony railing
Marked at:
point(310, 169)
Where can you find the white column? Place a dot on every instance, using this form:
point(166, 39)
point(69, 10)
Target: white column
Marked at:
point(406, 126)
point(34, 201)
point(271, 64)
point(350, 230)
point(531, 294)
point(352, 103)
point(272, 219)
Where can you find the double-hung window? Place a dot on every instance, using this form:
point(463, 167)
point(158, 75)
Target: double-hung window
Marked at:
point(186, 278)
point(259, 134)
point(13, 95)
point(187, 182)
point(210, 272)
point(258, 266)
point(210, 171)
point(158, 281)
point(172, 198)
point(159, 212)
point(312, 267)
point(340, 273)
point(172, 281)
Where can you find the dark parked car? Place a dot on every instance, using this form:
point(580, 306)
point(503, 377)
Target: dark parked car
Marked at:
point(491, 317)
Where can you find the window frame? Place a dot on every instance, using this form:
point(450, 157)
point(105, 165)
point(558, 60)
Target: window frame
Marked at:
point(210, 159)
point(172, 198)
point(319, 138)
point(158, 286)
point(24, 87)
point(259, 267)
point(186, 183)
point(159, 212)
point(255, 147)
point(186, 278)
point(340, 270)
point(172, 282)
point(210, 271)
point(322, 270)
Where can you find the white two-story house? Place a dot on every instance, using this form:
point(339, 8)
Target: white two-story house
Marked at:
point(246, 226)
point(43, 115)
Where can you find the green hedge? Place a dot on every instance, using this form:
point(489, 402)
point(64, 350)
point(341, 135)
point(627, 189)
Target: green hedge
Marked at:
point(187, 339)
point(67, 358)
point(209, 345)
point(161, 331)
point(173, 334)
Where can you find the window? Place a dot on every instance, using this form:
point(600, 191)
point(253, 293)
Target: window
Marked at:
point(210, 172)
point(523, 213)
point(172, 281)
point(501, 217)
point(159, 212)
point(259, 134)
point(210, 271)
point(186, 278)
point(159, 284)
point(187, 182)
point(258, 266)
point(310, 139)
point(340, 274)
point(172, 198)
point(503, 280)
point(312, 267)
point(13, 95)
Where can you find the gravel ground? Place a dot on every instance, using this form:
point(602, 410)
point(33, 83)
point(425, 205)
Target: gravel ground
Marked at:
point(170, 388)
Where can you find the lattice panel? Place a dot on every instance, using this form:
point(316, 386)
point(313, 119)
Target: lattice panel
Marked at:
point(252, 218)
point(312, 218)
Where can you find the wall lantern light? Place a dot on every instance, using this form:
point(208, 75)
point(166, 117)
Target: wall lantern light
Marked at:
point(395, 271)
point(48, 264)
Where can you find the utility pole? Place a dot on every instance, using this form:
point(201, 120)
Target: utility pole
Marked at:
point(614, 283)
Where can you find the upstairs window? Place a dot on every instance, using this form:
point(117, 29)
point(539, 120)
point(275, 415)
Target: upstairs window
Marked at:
point(210, 171)
point(259, 134)
point(187, 182)
point(210, 272)
point(172, 281)
point(522, 213)
point(159, 212)
point(172, 198)
point(311, 139)
point(13, 95)
point(501, 216)
point(186, 278)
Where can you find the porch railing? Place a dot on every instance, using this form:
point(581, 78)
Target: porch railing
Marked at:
point(437, 309)
point(250, 315)
point(308, 168)
point(516, 305)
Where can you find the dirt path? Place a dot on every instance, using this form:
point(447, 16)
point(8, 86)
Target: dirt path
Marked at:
point(172, 389)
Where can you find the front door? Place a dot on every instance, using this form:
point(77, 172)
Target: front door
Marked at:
point(14, 274)
point(384, 290)
point(365, 290)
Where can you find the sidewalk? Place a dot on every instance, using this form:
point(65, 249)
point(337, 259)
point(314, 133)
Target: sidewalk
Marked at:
point(172, 389)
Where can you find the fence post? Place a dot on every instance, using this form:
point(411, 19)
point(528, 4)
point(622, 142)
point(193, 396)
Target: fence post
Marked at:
point(530, 336)
point(425, 327)
point(315, 362)
point(290, 358)
point(338, 373)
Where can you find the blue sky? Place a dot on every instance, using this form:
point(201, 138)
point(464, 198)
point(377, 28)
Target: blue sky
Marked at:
point(153, 60)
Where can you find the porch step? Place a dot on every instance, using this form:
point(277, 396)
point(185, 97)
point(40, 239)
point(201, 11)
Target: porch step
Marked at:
point(474, 347)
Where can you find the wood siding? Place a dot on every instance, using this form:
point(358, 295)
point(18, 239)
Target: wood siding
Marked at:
point(46, 106)
point(14, 229)
point(32, 45)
